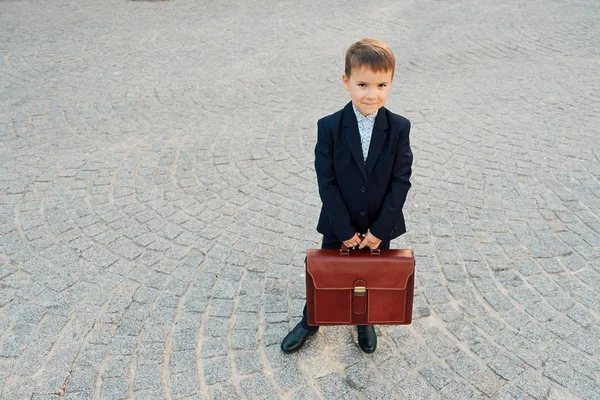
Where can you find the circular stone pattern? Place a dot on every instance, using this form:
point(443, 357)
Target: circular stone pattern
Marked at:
point(158, 194)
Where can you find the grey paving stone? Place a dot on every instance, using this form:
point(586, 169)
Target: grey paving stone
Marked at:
point(437, 375)
point(527, 267)
point(524, 295)
point(487, 382)
point(441, 344)
point(359, 375)
point(150, 353)
point(91, 355)
point(463, 330)
point(544, 285)
point(275, 304)
point(585, 341)
point(506, 366)
point(213, 347)
point(333, 386)
point(436, 295)
point(216, 370)
point(463, 364)
point(541, 311)
point(116, 367)
point(472, 307)
point(82, 380)
point(184, 339)
point(147, 376)
point(456, 390)
point(561, 301)
point(244, 340)
point(256, 385)
point(225, 392)
point(274, 333)
point(289, 377)
point(216, 326)
point(447, 312)
point(248, 363)
point(115, 388)
point(182, 361)
point(150, 394)
point(559, 372)
point(516, 318)
point(381, 389)
point(415, 387)
point(221, 308)
point(416, 354)
point(584, 387)
point(245, 320)
point(562, 326)
point(510, 392)
point(183, 384)
point(123, 344)
point(534, 384)
point(225, 289)
point(489, 324)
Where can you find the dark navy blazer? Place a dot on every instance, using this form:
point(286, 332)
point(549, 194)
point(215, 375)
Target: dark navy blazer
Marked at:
point(357, 197)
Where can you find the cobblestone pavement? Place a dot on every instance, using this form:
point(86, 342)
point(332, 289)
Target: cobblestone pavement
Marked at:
point(157, 195)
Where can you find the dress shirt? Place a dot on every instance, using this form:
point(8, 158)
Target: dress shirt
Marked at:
point(365, 128)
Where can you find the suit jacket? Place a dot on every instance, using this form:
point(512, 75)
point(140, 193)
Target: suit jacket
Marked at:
point(357, 197)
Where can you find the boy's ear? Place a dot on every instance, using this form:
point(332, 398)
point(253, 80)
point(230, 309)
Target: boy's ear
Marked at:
point(346, 82)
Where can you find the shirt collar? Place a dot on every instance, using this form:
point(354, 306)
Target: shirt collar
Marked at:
point(360, 117)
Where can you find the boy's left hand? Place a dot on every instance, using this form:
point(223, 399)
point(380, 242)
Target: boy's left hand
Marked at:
point(370, 241)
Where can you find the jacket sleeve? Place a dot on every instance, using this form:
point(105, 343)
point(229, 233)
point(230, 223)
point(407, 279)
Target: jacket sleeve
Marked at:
point(333, 203)
point(397, 189)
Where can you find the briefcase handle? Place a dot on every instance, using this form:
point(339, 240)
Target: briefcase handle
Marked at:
point(345, 251)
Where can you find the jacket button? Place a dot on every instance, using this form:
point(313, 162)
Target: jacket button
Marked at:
point(363, 189)
point(363, 213)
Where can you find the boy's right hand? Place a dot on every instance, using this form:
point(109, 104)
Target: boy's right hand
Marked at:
point(354, 241)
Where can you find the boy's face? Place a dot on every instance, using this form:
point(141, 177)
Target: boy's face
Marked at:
point(368, 89)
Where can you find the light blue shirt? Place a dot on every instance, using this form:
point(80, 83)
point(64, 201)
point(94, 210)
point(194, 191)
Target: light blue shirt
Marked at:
point(365, 128)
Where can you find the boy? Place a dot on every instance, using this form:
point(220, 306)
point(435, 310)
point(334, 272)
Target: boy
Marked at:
point(363, 162)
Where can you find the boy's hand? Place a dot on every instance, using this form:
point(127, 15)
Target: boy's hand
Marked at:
point(354, 241)
point(370, 241)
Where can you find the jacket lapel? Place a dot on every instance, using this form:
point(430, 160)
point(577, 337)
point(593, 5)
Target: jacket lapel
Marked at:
point(353, 137)
point(380, 133)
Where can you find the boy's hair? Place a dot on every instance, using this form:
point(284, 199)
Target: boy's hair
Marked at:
point(370, 53)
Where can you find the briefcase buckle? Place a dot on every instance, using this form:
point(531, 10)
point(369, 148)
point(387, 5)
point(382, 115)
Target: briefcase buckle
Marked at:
point(360, 290)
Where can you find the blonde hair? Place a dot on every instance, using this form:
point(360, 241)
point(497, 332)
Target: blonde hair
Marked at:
point(370, 53)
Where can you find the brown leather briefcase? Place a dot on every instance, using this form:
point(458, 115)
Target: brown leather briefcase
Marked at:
point(359, 287)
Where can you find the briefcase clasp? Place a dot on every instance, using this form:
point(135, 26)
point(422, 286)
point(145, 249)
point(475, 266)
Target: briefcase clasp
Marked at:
point(360, 290)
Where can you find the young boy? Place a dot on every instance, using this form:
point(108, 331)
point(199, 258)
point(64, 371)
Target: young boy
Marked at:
point(363, 162)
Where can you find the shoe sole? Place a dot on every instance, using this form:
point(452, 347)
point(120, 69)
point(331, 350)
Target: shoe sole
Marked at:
point(367, 351)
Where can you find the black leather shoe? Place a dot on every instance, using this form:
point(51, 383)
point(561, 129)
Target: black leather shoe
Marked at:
point(296, 338)
point(367, 338)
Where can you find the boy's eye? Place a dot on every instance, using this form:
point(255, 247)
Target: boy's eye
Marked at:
point(382, 85)
point(362, 85)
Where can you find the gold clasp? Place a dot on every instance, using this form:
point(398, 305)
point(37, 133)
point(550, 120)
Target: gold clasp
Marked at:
point(360, 290)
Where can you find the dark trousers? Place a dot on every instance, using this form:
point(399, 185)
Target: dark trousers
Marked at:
point(331, 243)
